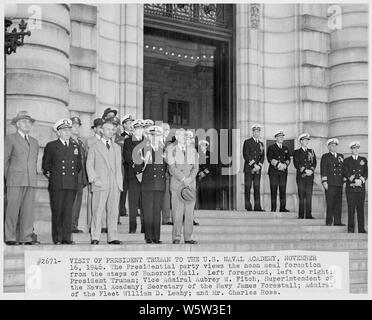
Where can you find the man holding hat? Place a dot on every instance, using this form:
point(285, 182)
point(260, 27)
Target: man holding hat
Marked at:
point(356, 174)
point(105, 175)
point(133, 164)
point(279, 160)
point(254, 155)
point(183, 167)
point(20, 160)
point(127, 133)
point(61, 165)
point(82, 177)
point(153, 184)
point(304, 160)
point(331, 171)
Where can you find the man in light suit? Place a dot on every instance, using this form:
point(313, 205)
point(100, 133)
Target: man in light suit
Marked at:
point(21, 153)
point(97, 129)
point(183, 168)
point(105, 175)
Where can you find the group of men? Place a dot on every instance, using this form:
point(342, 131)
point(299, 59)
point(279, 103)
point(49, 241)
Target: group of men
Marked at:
point(335, 171)
point(157, 170)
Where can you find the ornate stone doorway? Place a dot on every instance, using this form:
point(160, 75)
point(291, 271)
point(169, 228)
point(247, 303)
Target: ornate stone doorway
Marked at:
point(188, 72)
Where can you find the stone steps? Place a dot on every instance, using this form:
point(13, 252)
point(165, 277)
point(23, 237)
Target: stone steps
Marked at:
point(219, 231)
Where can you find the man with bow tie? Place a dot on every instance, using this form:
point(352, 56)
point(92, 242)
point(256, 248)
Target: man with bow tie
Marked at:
point(331, 171)
point(254, 155)
point(20, 159)
point(279, 160)
point(356, 174)
point(304, 160)
point(61, 165)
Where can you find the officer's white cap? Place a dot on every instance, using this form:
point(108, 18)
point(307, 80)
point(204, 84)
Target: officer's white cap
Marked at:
point(156, 130)
point(62, 124)
point(127, 117)
point(148, 122)
point(304, 135)
point(333, 140)
point(279, 133)
point(256, 126)
point(354, 144)
point(137, 123)
point(203, 142)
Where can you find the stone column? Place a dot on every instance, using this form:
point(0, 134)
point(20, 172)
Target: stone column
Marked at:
point(120, 58)
point(38, 81)
point(348, 81)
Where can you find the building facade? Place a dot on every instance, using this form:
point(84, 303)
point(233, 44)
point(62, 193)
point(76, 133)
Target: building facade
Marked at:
point(295, 67)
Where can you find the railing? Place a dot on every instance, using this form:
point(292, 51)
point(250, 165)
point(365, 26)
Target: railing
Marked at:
point(211, 15)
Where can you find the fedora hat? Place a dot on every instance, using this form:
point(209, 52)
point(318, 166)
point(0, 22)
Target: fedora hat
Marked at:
point(22, 115)
point(186, 193)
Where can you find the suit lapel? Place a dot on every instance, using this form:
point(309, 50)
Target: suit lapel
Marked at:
point(102, 149)
point(22, 141)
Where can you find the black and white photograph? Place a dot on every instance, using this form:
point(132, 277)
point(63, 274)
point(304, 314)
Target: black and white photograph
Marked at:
point(195, 151)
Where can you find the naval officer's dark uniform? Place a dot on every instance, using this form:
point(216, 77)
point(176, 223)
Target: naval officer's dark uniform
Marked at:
point(331, 171)
point(152, 193)
point(123, 195)
point(62, 165)
point(304, 160)
point(278, 178)
point(134, 186)
point(253, 154)
point(355, 195)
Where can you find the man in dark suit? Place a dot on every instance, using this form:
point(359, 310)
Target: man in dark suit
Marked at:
point(82, 177)
point(331, 171)
point(20, 159)
point(254, 155)
point(127, 133)
point(356, 174)
point(153, 184)
point(132, 156)
point(61, 165)
point(279, 160)
point(304, 160)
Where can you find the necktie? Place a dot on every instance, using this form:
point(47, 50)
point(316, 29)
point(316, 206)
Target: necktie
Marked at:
point(66, 144)
point(28, 142)
point(107, 145)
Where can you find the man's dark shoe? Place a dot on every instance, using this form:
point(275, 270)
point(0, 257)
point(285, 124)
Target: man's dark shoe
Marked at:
point(259, 210)
point(67, 242)
point(104, 230)
point(11, 243)
point(57, 242)
point(195, 223)
point(77, 231)
point(94, 242)
point(132, 232)
point(283, 210)
point(115, 242)
point(176, 241)
point(363, 231)
point(340, 225)
point(191, 242)
point(30, 243)
point(157, 241)
point(169, 223)
point(148, 241)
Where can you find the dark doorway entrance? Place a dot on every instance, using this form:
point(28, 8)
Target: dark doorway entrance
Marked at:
point(188, 83)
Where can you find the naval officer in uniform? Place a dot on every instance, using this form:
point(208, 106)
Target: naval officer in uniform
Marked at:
point(61, 165)
point(254, 155)
point(356, 174)
point(331, 171)
point(153, 184)
point(304, 160)
point(279, 160)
